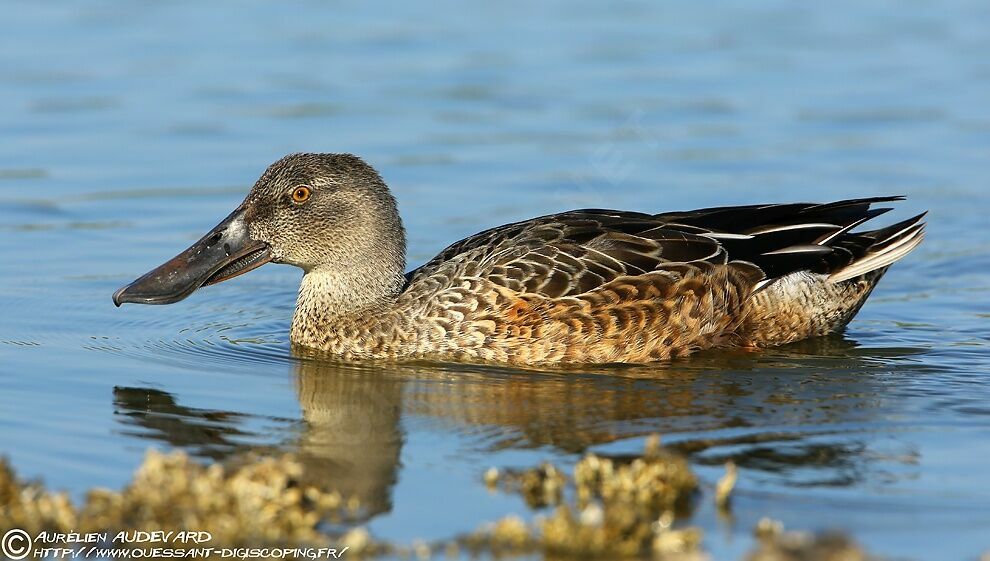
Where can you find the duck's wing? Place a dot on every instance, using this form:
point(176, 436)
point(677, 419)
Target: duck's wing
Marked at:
point(575, 252)
point(572, 253)
point(785, 238)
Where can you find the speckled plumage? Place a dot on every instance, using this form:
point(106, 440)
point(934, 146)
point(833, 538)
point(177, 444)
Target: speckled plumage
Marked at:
point(581, 287)
point(603, 286)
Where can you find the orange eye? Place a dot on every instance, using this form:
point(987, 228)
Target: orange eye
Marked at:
point(301, 194)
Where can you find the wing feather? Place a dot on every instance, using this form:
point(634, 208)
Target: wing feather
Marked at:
point(577, 252)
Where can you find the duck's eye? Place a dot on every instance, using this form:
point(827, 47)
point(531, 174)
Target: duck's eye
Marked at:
point(301, 194)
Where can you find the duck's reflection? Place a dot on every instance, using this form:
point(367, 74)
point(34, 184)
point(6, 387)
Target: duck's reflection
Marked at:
point(352, 436)
point(799, 416)
point(349, 439)
point(154, 414)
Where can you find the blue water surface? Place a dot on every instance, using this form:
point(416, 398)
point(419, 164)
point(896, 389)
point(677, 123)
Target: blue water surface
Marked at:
point(130, 128)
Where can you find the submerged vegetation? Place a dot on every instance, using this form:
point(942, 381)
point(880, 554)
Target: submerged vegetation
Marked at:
point(605, 508)
point(617, 510)
point(255, 501)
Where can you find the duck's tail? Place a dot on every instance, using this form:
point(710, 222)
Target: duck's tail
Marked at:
point(806, 304)
point(880, 248)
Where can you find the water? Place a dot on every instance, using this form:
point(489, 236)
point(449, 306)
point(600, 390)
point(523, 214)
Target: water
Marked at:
point(131, 128)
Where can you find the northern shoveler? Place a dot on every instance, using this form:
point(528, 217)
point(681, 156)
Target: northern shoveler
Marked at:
point(579, 287)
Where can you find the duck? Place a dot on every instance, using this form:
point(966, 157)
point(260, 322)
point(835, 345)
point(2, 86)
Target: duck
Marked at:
point(590, 286)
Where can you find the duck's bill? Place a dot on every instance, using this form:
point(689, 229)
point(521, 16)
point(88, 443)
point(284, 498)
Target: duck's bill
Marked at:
point(225, 252)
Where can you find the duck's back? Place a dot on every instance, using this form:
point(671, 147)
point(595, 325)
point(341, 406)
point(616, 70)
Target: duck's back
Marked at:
point(602, 286)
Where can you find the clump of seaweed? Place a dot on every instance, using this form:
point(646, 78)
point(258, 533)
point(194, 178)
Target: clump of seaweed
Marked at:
point(615, 533)
point(29, 506)
point(256, 501)
point(657, 482)
point(617, 509)
point(620, 509)
point(775, 544)
point(260, 500)
point(506, 537)
point(540, 486)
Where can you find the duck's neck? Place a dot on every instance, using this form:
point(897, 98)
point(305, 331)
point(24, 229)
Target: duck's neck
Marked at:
point(332, 300)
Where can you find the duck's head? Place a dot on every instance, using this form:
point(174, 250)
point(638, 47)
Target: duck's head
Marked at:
point(321, 212)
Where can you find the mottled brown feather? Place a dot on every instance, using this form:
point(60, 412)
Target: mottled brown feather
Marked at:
point(600, 286)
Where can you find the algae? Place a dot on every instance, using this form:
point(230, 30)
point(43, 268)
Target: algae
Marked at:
point(606, 508)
